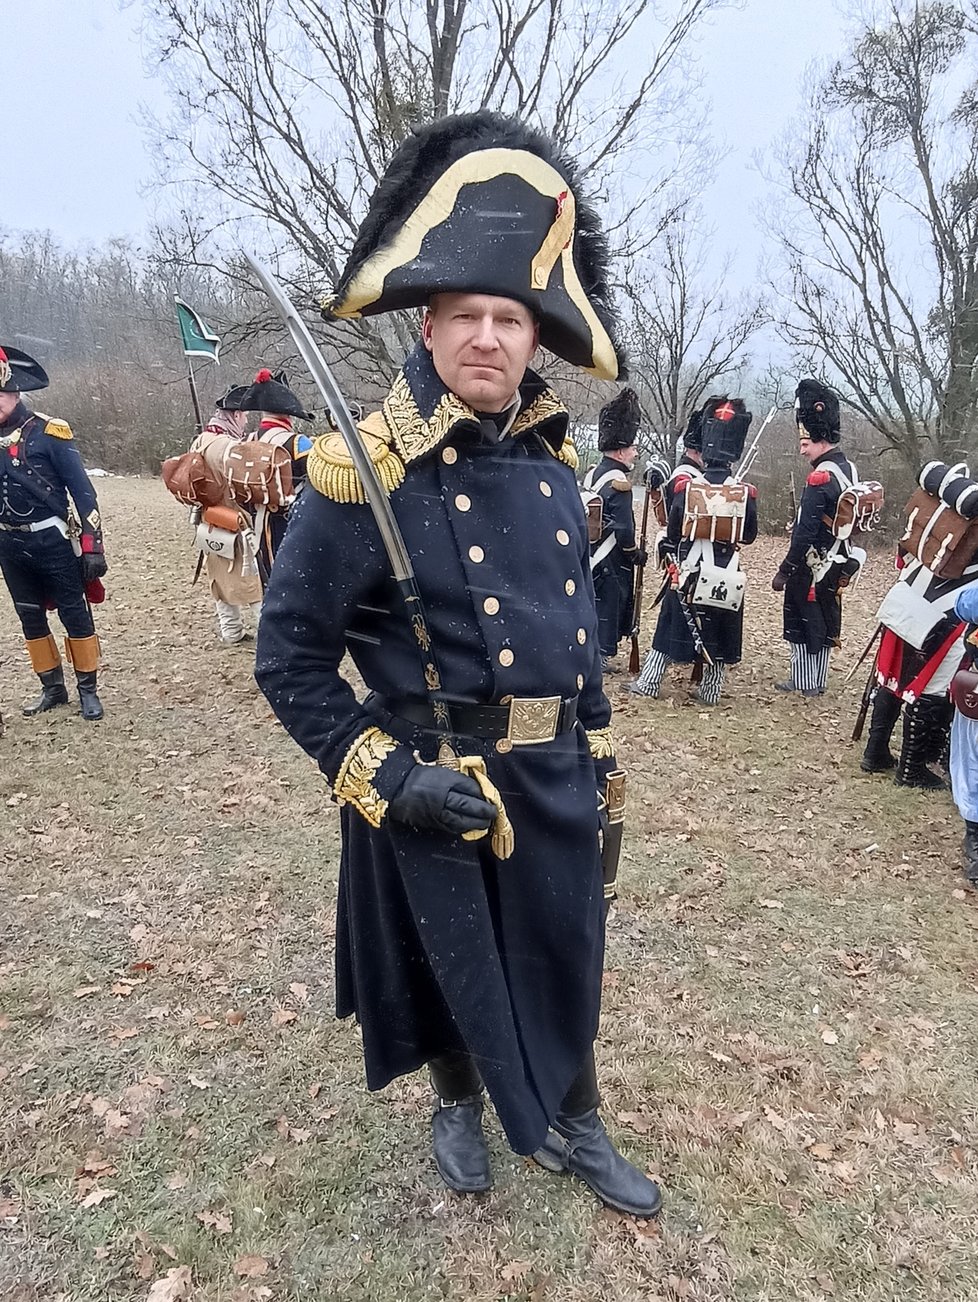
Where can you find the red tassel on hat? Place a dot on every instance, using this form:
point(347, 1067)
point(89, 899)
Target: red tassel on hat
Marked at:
point(263, 376)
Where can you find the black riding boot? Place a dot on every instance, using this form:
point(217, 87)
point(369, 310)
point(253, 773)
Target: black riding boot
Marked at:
point(91, 706)
point(457, 1141)
point(970, 847)
point(886, 710)
point(918, 734)
point(53, 692)
point(579, 1143)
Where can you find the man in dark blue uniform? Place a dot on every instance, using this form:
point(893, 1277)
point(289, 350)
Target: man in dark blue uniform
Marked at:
point(39, 469)
point(480, 957)
point(615, 554)
point(818, 565)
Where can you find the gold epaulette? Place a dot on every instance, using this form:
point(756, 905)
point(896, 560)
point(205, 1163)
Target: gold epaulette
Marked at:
point(330, 469)
point(58, 429)
point(567, 453)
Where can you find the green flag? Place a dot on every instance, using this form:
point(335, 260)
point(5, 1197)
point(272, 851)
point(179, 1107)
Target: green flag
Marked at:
point(198, 341)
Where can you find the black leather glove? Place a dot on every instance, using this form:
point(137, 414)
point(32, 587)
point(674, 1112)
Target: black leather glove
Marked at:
point(779, 580)
point(667, 550)
point(640, 557)
point(442, 800)
point(93, 566)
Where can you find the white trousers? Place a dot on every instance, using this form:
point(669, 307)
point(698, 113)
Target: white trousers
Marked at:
point(230, 620)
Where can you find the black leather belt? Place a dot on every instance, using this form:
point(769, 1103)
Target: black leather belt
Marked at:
point(521, 720)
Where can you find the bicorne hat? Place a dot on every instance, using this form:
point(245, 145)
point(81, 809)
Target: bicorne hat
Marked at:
point(271, 393)
point(618, 422)
point(20, 373)
point(817, 408)
point(481, 203)
point(231, 400)
point(724, 423)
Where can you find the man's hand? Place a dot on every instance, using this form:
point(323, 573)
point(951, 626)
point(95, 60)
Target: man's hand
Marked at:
point(93, 566)
point(640, 557)
point(441, 800)
point(779, 580)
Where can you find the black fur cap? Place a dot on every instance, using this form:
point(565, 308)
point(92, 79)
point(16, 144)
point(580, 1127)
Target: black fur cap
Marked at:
point(618, 422)
point(817, 408)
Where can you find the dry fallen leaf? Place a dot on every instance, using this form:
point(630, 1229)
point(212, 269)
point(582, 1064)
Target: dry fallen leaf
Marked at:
point(515, 1271)
point(99, 1196)
point(300, 991)
point(177, 1180)
point(251, 1267)
point(829, 1036)
point(234, 1017)
point(214, 1220)
point(282, 1016)
point(83, 991)
point(770, 904)
point(822, 1152)
point(174, 1285)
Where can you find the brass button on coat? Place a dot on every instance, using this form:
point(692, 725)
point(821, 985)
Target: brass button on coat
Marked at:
point(506, 657)
point(491, 606)
point(582, 636)
point(545, 488)
point(563, 537)
point(504, 745)
point(449, 456)
point(570, 587)
point(580, 682)
point(463, 503)
point(476, 554)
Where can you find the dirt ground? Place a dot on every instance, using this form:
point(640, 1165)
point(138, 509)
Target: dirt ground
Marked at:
point(788, 1043)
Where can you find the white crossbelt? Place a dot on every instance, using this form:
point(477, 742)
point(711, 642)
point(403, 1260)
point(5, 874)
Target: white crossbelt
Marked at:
point(49, 522)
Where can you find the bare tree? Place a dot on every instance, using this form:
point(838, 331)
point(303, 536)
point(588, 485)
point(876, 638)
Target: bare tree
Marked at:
point(686, 336)
point(880, 249)
point(286, 112)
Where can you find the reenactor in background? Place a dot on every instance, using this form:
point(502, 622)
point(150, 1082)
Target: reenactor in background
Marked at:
point(479, 957)
point(923, 639)
point(818, 564)
point(702, 616)
point(235, 584)
point(278, 406)
point(964, 733)
point(39, 469)
point(614, 553)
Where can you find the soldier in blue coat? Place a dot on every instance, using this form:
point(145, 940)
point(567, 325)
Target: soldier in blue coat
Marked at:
point(615, 555)
point(39, 470)
point(818, 565)
point(478, 956)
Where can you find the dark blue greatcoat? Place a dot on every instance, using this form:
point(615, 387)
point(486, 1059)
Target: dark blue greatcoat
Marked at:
point(614, 574)
point(813, 616)
point(440, 946)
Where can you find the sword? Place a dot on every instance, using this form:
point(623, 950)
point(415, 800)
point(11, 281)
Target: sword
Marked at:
point(376, 494)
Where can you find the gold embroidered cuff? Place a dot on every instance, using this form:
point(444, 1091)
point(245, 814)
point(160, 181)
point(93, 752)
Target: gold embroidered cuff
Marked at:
point(602, 743)
point(354, 782)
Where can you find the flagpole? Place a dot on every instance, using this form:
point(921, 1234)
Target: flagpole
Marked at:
point(194, 394)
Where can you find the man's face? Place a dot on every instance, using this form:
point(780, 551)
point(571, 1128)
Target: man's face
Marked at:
point(481, 346)
point(811, 449)
point(626, 455)
point(8, 401)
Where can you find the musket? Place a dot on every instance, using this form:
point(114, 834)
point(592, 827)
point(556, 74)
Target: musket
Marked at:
point(376, 494)
point(634, 658)
point(749, 457)
point(867, 696)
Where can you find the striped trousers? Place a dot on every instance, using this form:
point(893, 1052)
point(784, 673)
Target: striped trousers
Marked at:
point(656, 663)
point(809, 673)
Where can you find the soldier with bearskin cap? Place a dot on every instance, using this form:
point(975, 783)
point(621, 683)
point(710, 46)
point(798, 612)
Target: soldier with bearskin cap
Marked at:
point(614, 552)
point(279, 407)
point(479, 957)
point(923, 639)
point(818, 564)
point(235, 583)
point(702, 617)
point(39, 470)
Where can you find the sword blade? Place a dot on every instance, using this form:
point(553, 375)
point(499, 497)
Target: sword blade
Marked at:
point(310, 353)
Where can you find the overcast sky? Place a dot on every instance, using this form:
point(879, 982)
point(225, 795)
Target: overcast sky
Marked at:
point(76, 75)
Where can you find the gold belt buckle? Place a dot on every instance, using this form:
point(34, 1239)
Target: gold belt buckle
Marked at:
point(533, 719)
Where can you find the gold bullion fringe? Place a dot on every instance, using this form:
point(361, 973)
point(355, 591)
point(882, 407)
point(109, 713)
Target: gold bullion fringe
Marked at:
point(330, 468)
point(602, 743)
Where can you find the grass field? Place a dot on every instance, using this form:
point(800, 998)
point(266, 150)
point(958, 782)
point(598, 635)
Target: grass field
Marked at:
point(789, 1037)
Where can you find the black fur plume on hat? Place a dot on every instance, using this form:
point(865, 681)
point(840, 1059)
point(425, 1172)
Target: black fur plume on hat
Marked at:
point(817, 408)
point(487, 234)
point(618, 422)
